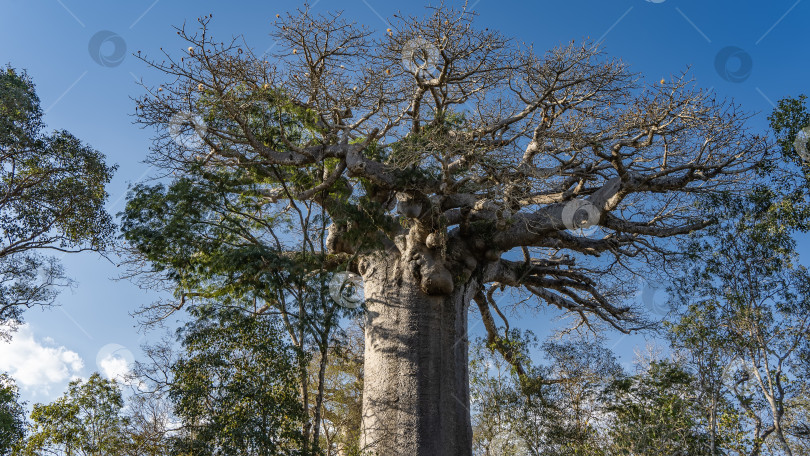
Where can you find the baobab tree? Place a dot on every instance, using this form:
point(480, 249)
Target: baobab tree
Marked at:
point(448, 164)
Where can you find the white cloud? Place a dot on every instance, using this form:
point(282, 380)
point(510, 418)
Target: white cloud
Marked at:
point(115, 361)
point(38, 366)
point(114, 367)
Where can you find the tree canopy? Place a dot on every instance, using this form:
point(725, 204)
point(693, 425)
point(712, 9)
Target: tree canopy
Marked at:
point(12, 416)
point(52, 198)
point(87, 420)
point(482, 150)
point(437, 160)
point(234, 387)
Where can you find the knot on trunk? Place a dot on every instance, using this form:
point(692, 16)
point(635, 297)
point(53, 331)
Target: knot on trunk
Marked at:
point(411, 206)
point(435, 278)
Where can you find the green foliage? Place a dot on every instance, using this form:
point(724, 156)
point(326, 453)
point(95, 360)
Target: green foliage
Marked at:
point(343, 394)
point(700, 336)
point(12, 416)
point(655, 412)
point(56, 182)
point(212, 232)
point(86, 420)
point(220, 241)
point(745, 304)
point(557, 416)
point(776, 208)
point(20, 113)
point(207, 239)
point(235, 388)
point(785, 197)
point(53, 187)
point(421, 155)
point(788, 118)
point(587, 406)
point(495, 398)
point(265, 110)
point(743, 308)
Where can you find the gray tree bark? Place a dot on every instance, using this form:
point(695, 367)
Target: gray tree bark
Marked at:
point(416, 381)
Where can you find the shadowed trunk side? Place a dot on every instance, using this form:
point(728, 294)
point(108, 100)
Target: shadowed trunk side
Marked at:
point(416, 383)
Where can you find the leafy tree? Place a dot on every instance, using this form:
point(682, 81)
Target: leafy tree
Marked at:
point(744, 307)
point(12, 416)
point(150, 423)
point(495, 400)
point(582, 371)
point(655, 412)
point(87, 420)
point(751, 302)
point(428, 178)
point(787, 121)
point(343, 394)
point(702, 346)
point(562, 417)
point(52, 188)
point(790, 122)
point(234, 387)
point(159, 422)
point(236, 261)
point(798, 420)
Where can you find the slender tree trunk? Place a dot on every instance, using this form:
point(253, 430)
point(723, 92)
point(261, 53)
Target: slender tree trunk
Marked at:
point(713, 419)
point(324, 352)
point(783, 441)
point(416, 381)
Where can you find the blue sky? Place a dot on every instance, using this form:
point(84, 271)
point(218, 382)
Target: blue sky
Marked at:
point(753, 52)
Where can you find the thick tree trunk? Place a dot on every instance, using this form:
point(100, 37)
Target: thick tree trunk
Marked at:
point(416, 382)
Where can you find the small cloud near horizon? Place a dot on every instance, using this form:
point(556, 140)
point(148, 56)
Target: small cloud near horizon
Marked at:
point(38, 365)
